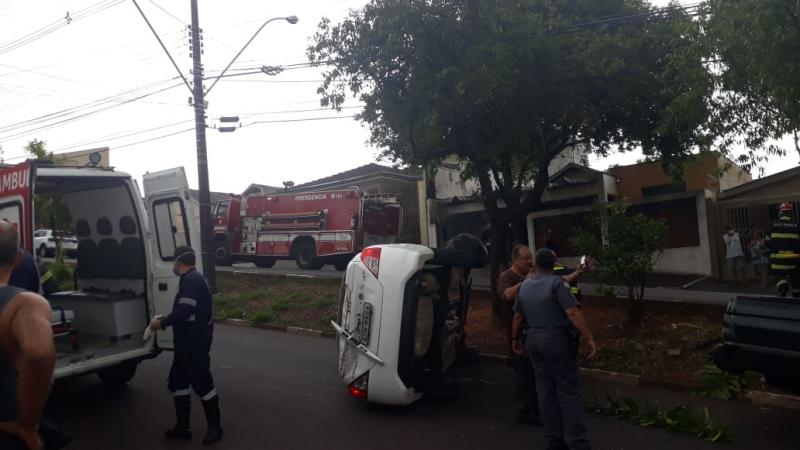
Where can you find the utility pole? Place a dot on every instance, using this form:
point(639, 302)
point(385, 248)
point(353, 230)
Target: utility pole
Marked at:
point(199, 94)
point(209, 269)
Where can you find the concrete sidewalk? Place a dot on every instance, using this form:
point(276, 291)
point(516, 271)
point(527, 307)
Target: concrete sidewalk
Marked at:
point(705, 293)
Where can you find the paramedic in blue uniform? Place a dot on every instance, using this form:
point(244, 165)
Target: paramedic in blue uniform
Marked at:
point(192, 322)
point(545, 305)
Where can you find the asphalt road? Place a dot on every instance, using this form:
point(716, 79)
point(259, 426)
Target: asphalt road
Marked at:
point(280, 391)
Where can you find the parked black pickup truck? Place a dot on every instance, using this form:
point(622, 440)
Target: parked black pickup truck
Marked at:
point(762, 334)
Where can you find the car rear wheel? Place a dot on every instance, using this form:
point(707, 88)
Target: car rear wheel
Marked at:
point(117, 376)
point(42, 251)
point(341, 266)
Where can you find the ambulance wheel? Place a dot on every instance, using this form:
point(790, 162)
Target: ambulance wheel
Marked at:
point(264, 263)
point(222, 256)
point(117, 376)
point(305, 255)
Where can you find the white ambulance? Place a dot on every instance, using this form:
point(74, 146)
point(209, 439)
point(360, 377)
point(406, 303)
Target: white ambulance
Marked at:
point(124, 259)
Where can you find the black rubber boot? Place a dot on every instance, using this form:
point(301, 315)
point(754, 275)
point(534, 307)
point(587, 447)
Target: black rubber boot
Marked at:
point(214, 433)
point(183, 411)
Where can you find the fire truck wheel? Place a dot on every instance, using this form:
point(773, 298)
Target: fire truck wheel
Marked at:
point(264, 263)
point(305, 255)
point(222, 257)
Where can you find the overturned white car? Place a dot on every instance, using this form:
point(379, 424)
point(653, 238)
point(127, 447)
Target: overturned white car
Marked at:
point(402, 315)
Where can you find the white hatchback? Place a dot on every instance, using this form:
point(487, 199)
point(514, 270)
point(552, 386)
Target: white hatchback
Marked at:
point(401, 320)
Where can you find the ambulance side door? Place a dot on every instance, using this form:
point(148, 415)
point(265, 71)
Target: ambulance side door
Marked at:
point(173, 222)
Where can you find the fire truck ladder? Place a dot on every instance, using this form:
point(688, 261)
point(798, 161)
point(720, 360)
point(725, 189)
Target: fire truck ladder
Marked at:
point(314, 220)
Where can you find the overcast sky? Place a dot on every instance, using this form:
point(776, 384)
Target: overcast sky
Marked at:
point(107, 50)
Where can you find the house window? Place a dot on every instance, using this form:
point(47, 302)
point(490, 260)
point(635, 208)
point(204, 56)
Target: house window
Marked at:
point(652, 191)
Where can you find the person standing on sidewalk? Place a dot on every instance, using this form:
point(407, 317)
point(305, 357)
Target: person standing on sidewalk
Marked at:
point(545, 304)
point(524, 378)
point(27, 353)
point(783, 240)
point(759, 255)
point(192, 320)
point(734, 255)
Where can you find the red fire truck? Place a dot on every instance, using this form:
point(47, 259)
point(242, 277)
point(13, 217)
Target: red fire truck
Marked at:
point(313, 228)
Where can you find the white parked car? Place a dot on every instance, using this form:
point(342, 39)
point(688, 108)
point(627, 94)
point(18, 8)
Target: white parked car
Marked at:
point(44, 242)
point(401, 320)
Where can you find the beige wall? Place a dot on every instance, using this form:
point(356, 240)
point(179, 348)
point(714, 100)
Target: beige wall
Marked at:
point(706, 171)
point(81, 158)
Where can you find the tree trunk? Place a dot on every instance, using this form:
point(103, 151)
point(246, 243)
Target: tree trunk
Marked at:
point(498, 254)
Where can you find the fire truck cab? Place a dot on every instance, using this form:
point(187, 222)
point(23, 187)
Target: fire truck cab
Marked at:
point(125, 249)
point(311, 228)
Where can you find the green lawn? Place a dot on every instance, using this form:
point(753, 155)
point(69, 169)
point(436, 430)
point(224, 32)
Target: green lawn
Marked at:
point(277, 300)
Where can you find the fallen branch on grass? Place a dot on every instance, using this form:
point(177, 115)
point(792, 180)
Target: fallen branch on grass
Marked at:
point(681, 419)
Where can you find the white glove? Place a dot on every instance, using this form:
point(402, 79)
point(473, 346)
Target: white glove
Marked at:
point(148, 332)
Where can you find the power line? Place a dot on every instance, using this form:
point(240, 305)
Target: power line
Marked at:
point(58, 24)
point(168, 13)
point(118, 135)
point(84, 115)
point(276, 81)
point(265, 113)
point(64, 112)
point(310, 119)
point(15, 158)
point(691, 10)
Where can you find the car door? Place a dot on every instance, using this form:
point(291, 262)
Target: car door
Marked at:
point(173, 222)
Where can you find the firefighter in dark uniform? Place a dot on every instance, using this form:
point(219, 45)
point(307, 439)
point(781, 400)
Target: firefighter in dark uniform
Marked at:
point(193, 327)
point(783, 240)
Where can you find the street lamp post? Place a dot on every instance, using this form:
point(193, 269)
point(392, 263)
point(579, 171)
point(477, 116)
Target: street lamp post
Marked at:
point(199, 94)
point(200, 125)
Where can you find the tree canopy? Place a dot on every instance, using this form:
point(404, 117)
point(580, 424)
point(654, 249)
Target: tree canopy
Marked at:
point(499, 85)
point(507, 86)
point(756, 45)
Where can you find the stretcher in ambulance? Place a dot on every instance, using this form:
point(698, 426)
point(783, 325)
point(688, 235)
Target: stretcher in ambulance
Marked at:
point(123, 275)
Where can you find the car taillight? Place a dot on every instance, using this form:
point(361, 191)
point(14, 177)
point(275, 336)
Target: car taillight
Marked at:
point(371, 257)
point(358, 388)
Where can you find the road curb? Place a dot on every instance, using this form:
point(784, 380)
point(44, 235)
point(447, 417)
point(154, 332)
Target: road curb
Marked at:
point(281, 328)
point(610, 376)
point(757, 398)
point(770, 400)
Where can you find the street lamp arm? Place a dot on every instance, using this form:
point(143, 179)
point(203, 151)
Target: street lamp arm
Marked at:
point(291, 19)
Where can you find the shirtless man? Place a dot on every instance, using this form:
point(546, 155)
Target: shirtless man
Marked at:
point(27, 353)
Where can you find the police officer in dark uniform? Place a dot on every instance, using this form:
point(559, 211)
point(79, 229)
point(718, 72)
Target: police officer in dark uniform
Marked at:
point(193, 327)
point(783, 240)
point(550, 312)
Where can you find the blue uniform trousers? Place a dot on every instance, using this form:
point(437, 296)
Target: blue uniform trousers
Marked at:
point(551, 351)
